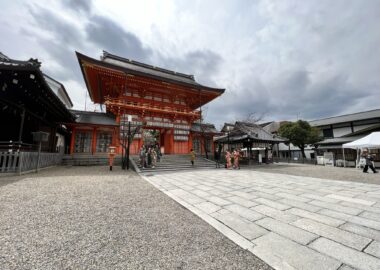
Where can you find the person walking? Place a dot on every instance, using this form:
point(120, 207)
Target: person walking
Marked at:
point(368, 162)
point(192, 157)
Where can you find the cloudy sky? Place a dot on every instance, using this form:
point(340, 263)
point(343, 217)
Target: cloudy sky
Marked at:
point(282, 59)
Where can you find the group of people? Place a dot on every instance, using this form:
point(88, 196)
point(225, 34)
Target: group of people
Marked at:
point(149, 156)
point(236, 155)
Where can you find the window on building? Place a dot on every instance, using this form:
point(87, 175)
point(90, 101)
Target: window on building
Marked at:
point(83, 140)
point(103, 141)
point(328, 133)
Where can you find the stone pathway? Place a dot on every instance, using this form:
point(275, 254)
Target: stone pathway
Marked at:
point(291, 222)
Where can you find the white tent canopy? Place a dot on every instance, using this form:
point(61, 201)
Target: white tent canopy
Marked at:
point(370, 141)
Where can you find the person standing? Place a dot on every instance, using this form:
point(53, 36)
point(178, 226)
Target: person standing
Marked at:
point(217, 159)
point(158, 152)
point(192, 157)
point(236, 159)
point(149, 157)
point(228, 159)
point(142, 156)
point(154, 157)
point(368, 162)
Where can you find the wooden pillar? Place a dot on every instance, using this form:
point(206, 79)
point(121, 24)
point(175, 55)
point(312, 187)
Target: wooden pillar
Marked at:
point(190, 142)
point(72, 142)
point(93, 146)
point(171, 138)
point(22, 120)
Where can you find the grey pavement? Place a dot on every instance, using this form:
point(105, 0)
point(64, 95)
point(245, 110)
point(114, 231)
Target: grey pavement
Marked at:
point(90, 218)
point(289, 221)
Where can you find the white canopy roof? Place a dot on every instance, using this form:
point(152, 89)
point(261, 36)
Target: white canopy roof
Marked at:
point(370, 141)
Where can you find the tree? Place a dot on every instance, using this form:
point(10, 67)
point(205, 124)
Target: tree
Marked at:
point(300, 134)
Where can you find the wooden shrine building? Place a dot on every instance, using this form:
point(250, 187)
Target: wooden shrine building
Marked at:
point(162, 102)
point(31, 101)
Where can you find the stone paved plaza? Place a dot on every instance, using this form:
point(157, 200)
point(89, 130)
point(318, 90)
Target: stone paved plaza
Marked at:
point(291, 222)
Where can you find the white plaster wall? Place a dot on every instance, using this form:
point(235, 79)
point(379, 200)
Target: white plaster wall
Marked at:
point(338, 132)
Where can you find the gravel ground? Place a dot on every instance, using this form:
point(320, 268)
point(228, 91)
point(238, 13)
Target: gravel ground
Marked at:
point(90, 218)
point(334, 173)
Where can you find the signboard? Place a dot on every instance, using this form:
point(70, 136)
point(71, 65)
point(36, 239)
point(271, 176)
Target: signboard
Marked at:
point(328, 158)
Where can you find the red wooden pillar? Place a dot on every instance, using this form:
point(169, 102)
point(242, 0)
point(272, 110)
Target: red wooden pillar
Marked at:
point(190, 142)
point(94, 141)
point(72, 142)
point(172, 141)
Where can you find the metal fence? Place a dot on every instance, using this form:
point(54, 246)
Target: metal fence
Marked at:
point(19, 162)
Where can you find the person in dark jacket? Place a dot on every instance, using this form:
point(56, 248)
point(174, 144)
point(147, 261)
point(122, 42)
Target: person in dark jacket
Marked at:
point(368, 162)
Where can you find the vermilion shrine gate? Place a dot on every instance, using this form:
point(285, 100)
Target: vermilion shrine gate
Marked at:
point(158, 99)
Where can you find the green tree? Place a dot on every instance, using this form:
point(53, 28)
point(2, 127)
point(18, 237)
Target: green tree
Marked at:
point(300, 134)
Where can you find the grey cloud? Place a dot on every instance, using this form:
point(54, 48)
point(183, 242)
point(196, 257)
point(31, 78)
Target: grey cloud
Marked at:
point(64, 39)
point(79, 5)
point(204, 64)
point(62, 30)
point(110, 36)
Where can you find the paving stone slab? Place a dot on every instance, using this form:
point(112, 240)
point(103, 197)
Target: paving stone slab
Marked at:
point(346, 238)
point(274, 213)
point(292, 197)
point(352, 200)
point(244, 212)
point(370, 215)
point(244, 195)
point(207, 207)
point(258, 194)
point(200, 193)
point(273, 204)
point(301, 205)
point(337, 207)
point(283, 253)
point(319, 198)
point(219, 201)
point(373, 249)
point(361, 230)
point(372, 209)
point(248, 230)
point(291, 232)
point(242, 201)
point(349, 256)
point(314, 216)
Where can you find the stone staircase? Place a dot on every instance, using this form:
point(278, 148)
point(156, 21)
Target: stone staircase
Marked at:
point(174, 163)
point(88, 160)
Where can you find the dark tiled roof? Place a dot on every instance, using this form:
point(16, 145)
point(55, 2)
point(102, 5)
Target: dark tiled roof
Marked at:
point(244, 130)
point(156, 72)
point(207, 128)
point(61, 85)
point(138, 66)
point(6, 61)
point(95, 118)
point(346, 118)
